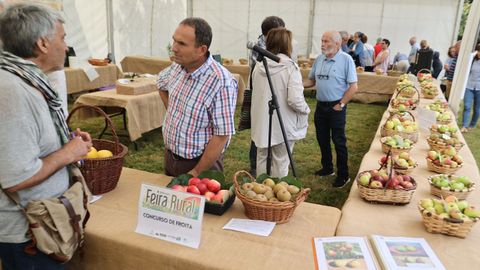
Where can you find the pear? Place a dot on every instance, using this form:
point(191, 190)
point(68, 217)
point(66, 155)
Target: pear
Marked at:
point(471, 212)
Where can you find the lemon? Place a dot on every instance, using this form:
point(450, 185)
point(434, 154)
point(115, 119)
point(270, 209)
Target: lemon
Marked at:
point(92, 153)
point(104, 154)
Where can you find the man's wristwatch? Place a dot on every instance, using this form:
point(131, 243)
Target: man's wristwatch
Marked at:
point(342, 105)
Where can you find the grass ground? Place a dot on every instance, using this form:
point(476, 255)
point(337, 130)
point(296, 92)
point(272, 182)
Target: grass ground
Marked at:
point(362, 123)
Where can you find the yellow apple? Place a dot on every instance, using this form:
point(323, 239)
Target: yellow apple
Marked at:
point(92, 153)
point(104, 154)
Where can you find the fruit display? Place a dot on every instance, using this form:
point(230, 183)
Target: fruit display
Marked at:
point(437, 106)
point(267, 198)
point(443, 117)
point(402, 123)
point(94, 153)
point(269, 190)
point(379, 186)
point(444, 161)
point(403, 77)
point(396, 144)
point(218, 194)
point(442, 185)
point(449, 216)
point(439, 141)
point(403, 103)
point(406, 89)
point(444, 129)
point(429, 89)
point(424, 77)
point(402, 162)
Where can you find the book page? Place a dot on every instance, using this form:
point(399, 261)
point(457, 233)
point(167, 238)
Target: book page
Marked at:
point(402, 253)
point(335, 253)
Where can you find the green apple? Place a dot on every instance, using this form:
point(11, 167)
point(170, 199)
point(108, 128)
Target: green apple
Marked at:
point(462, 205)
point(389, 125)
point(426, 203)
point(471, 212)
point(457, 185)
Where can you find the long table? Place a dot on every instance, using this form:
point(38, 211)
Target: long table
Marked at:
point(153, 65)
point(360, 218)
point(111, 242)
point(144, 112)
point(77, 80)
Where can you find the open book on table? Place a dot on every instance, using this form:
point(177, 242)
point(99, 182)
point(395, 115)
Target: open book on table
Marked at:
point(392, 253)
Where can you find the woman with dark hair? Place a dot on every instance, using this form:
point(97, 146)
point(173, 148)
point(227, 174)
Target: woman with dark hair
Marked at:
point(472, 95)
point(288, 87)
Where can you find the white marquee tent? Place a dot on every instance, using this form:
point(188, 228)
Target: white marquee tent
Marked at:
point(145, 27)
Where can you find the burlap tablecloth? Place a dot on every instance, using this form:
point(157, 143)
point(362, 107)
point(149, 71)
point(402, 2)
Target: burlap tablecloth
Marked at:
point(111, 242)
point(144, 112)
point(360, 218)
point(374, 88)
point(153, 65)
point(77, 80)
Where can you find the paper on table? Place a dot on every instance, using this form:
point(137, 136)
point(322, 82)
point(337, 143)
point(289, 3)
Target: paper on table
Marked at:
point(95, 198)
point(426, 118)
point(257, 227)
point(92, 74)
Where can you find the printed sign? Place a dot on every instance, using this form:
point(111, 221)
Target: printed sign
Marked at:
point(170, 215)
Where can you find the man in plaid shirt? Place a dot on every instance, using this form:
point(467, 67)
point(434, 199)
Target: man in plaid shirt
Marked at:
point(200, 97)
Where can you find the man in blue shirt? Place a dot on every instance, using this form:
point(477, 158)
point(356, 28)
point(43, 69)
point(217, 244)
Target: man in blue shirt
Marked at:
point(335, 78)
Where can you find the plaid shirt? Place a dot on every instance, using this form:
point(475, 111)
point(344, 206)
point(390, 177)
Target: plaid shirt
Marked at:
point(200, 104)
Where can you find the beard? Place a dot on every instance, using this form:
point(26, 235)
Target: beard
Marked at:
point(327, 51)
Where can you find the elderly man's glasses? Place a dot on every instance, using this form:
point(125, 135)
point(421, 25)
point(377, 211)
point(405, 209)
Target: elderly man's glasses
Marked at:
point(324, 75)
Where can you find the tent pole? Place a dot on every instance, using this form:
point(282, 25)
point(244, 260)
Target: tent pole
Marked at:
point(458, 20)
point(189, 8)
point(311, 19)
point(110, 36)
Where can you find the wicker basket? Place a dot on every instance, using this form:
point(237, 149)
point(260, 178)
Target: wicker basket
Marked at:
point(395, 151)
point(441, 169)
point(385, 195)
point(102, 174)
point(402, 92)
point(423, 71)
point(444, 122)
point(449, 226)
point(445, 192)
point(429, 96)
point(413, 136)
point(279, 212)
point(401, 170)
point(440, 146)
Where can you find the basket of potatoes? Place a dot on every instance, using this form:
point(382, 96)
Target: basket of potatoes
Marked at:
point(268, 198)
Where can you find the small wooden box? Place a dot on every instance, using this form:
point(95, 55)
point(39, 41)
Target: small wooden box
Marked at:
point(137, 86)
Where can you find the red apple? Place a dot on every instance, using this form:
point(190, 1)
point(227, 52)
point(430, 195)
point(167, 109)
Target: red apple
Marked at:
point(201, 187)
point(209, 195)
point(205, 181)
point(193, 181)
point(406, 178)
point(407, 185)
point(178, 187)
point(392, 183)
point(193, 189)
point(213, 186)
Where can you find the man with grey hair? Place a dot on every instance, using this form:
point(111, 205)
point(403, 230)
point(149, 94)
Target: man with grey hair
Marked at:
point(345, 36)
point(413, 53)
point(35, 143)
point(335, 78)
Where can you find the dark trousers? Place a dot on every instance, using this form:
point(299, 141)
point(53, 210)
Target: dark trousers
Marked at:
point(330, 124)
point(176, 165)
point(14, 258)
point(253, 158)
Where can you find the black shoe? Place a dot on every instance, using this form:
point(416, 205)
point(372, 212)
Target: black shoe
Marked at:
point(340, 182)
point(323, 173)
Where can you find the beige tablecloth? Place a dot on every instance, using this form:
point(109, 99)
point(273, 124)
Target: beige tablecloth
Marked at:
point(77, 80)
point(360, 218)
point(153, 65)
point(374, 88)
point(111, 242)
point(144, 112)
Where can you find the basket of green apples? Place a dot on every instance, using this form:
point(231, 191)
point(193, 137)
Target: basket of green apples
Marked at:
point(443, 117)
point(406, 89)
point(437, 106)
point(449, 216)
point(442, 185)
point(396, 144)
point(444, 129)
point(402, 124)
point(445, 161)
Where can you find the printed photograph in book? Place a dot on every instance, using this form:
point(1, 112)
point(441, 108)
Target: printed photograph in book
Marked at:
point(409, 254)
point(342, 253)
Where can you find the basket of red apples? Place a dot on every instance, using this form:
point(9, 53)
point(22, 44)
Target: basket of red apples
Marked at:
point(442, 185)
point(267, 198)
point(382, 187)
point(219, 195)
point(445, 161)
point(448, 216)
